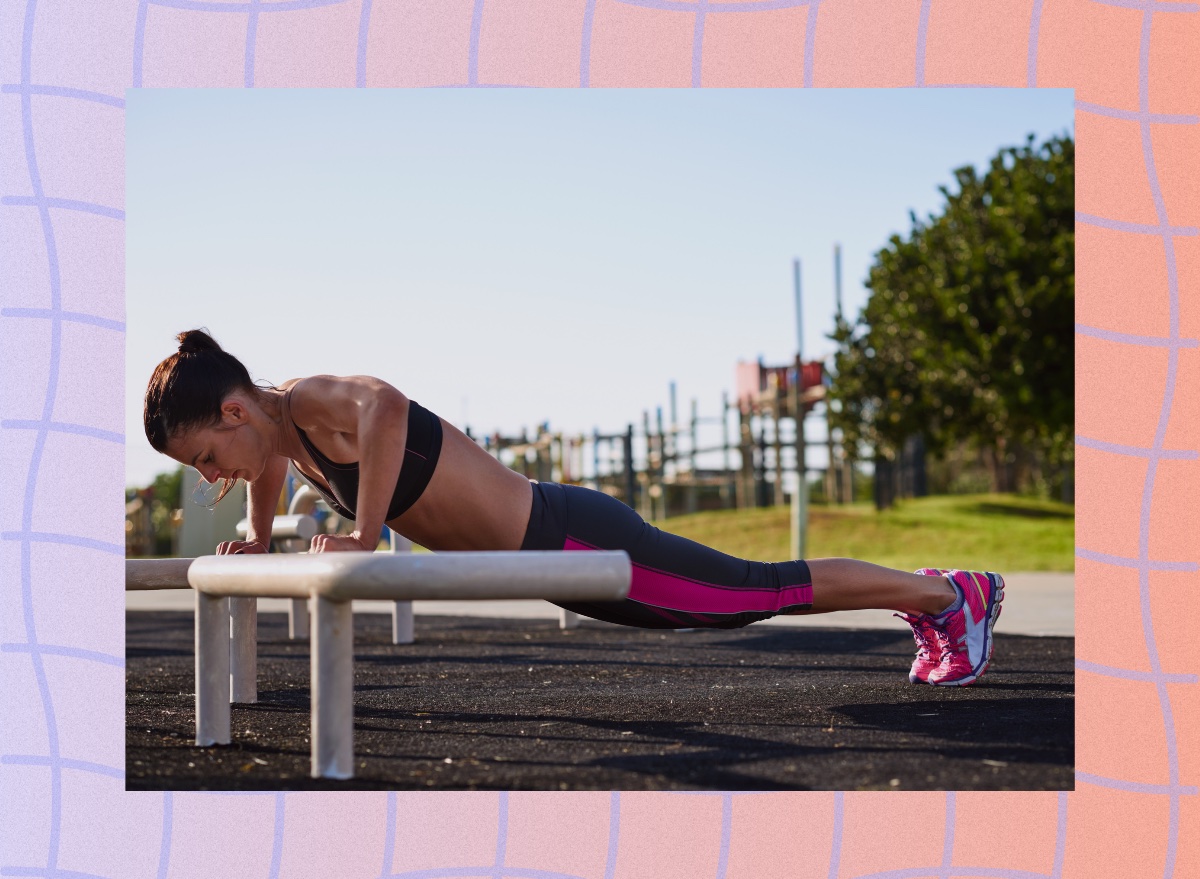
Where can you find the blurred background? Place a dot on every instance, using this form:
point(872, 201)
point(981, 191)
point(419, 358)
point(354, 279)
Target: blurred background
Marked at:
point(791, 323)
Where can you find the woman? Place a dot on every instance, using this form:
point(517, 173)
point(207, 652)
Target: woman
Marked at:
point(379, 458)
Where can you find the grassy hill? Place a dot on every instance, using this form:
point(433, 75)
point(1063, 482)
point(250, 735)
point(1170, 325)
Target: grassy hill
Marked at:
point(978, 532)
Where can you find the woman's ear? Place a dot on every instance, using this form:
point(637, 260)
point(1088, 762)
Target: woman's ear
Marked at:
point(233, 411)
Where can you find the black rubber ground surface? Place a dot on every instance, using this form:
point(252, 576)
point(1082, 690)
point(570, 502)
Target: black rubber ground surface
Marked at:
point(519, 704)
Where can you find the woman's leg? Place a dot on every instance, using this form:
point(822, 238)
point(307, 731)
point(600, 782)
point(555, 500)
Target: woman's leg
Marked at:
point(680, 583)
point(676, 583)
point(848, 584)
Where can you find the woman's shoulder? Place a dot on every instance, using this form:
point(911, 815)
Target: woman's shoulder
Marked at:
point(339, 385)
point(326, 400)
point(308, 399)
point(305, 384)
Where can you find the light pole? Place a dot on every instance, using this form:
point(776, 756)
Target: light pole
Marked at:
point(800, 495)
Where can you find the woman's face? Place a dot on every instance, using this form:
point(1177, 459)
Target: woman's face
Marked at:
point(231, 449)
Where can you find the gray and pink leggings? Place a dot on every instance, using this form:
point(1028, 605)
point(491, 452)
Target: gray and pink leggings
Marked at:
point(677, 583)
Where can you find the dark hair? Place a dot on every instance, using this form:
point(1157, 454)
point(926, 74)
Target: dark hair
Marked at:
point(188, 388)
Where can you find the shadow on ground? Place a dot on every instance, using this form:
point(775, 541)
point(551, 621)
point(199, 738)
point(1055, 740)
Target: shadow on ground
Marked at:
point(519, 704)
point(1002, 509)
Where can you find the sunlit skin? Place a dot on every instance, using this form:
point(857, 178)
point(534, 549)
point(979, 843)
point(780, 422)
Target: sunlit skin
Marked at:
point(473, 502)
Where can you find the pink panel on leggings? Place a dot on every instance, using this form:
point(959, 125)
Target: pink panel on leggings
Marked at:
point(680, 593)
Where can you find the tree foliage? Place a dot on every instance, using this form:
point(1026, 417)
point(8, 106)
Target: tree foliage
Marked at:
point(167, 498)
point(968, 331)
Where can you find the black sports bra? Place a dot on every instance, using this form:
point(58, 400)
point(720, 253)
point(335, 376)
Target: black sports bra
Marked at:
point(422, 448)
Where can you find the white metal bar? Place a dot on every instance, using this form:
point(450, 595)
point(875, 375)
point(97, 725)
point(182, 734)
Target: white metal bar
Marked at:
point(298, 618)
point(212, 669)
point(402, 622)
point(332, 580)
point(243, 649)
point(567, 619)
point(461, 576)
point(297, 526)
point(305, 499)
point(403, 628)
point(142, 574)
point(332, 689)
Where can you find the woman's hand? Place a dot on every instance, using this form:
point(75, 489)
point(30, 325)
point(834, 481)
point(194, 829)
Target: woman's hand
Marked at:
point(241, 547)
point(339, 543)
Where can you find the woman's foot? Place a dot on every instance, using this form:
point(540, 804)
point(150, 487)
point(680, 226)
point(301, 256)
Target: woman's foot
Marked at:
point(929, 648)
point(964, 630)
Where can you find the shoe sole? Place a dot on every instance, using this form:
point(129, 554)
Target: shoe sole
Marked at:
point(994, 601)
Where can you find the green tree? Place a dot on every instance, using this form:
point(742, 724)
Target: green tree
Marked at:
point(967, 334)
point(167, 498)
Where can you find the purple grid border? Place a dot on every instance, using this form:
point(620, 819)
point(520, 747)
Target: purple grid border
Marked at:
point(24, 539)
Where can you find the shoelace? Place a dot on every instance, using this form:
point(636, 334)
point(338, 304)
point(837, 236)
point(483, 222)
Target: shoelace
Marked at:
point(924, 647)
point(948, 647)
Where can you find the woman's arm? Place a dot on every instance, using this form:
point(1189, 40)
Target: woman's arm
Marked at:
point(368, 420)
point(262, 497)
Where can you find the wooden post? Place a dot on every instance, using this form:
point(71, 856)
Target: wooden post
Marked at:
point(660, 502)
point(646, 503)
point(693, 495)
point(728, 489)
point(671, 451)
point(831, 471)
point(745, 499)
point(760, 469)
point(777, 447)
point(630, 476)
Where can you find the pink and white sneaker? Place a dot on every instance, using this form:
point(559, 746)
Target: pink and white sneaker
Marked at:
point(929, 648)
point(965, 633)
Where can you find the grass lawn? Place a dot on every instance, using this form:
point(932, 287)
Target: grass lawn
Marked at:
point(992, 532)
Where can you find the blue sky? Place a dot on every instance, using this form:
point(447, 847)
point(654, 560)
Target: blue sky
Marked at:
point(508, 257)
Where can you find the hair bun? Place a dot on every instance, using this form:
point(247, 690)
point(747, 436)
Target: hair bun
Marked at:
point(194, 341)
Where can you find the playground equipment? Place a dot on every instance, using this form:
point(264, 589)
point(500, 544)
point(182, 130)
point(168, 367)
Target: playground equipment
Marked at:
point(673, 463)
point(331, 581)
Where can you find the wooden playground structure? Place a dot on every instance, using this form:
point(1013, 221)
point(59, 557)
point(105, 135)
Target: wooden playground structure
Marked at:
point(662, 468)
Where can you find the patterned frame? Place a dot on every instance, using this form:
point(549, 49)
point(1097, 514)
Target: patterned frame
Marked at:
point(65, 68)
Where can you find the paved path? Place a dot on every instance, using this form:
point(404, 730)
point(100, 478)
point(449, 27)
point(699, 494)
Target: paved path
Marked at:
point(1034, 604)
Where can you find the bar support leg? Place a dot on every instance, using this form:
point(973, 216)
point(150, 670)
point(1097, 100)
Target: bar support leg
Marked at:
point(567, 619)
point(332, 689)
point(243, 649)
point(298, 619)
point(402, 622)
point(212, 670)
point(402, 612)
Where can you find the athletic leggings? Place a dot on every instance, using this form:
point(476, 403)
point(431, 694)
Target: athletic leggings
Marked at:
point(677, 583)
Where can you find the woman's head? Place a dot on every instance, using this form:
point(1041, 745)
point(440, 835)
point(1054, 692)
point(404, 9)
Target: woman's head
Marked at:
point(195, 399)
point(188, 388)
